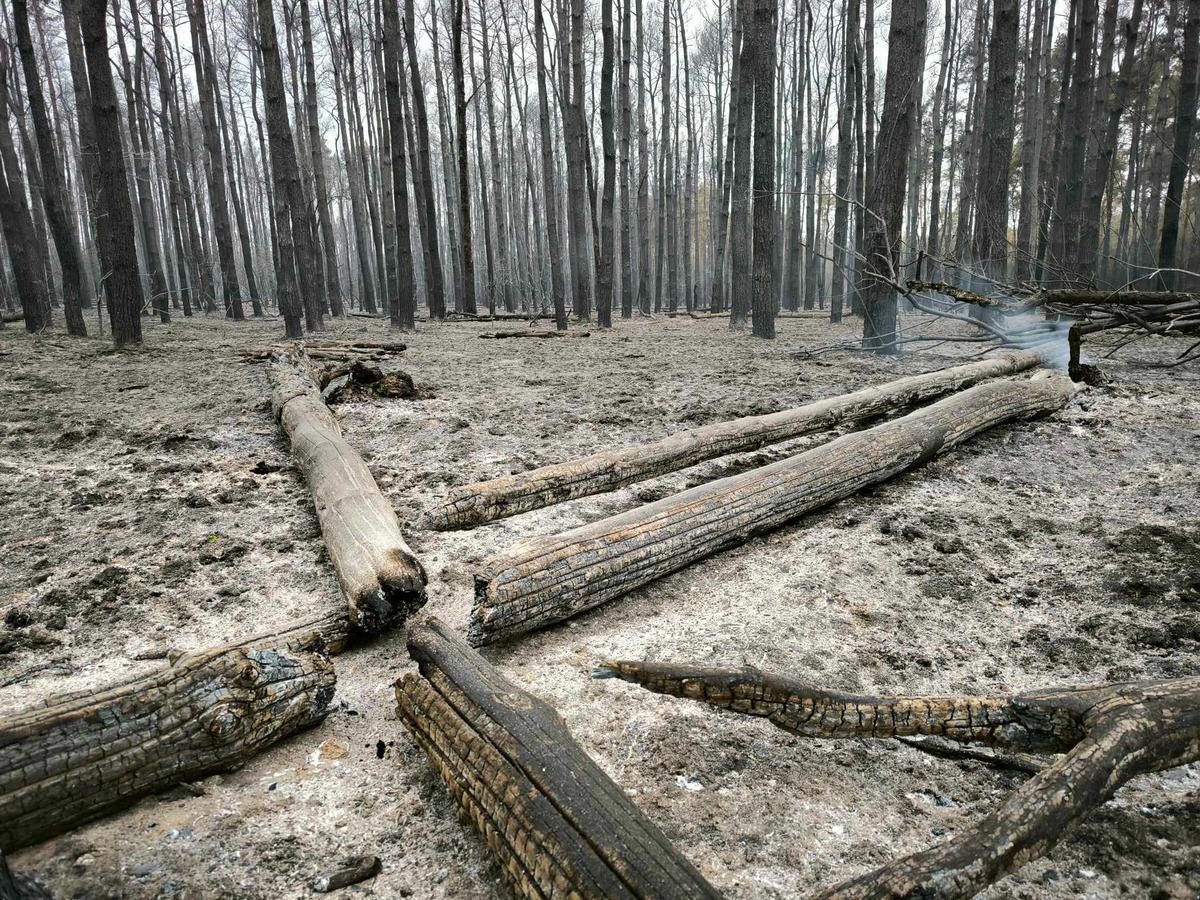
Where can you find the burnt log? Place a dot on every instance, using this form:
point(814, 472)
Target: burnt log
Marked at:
point(547, 579)
point(383, 581)
point(1106, 735)
point(556, 823)
point(509, 495)
point(500, 335)
point(79, 756)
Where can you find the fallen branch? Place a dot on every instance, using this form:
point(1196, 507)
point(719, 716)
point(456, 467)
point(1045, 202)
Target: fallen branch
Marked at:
point(556, 823)
point(1107, 734)
point(547, 579)
point(76, 757)
point(487, 501)
point(382, 580)
point(498, 335)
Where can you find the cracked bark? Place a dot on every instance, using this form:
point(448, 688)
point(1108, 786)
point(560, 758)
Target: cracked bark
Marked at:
point(79, 756)
point(555, 822)
point(1107, 734)
point(487, 501)
point(548, 579)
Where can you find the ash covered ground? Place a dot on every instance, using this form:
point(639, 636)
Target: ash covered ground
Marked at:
point(149, 502)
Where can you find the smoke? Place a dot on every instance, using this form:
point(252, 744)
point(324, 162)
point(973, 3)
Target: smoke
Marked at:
point(1030, 331)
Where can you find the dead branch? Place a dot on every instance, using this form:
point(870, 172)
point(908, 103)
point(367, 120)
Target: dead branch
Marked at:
point(498, 335)
point(1106, 734)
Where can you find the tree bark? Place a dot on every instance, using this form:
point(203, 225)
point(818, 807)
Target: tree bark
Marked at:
point(316, 149)
point(1185, 120)
point(382, 580)
point(207, 85)
point(76, 757)
point(609, 470)
point(549, 579)
point(426, 205)
point(464, 181)
point(990, 244)
point(881, 251)
point(557, 825)
point(58, 208)
point(841, 200)
point(740, 246)
point(604, 265)
point(766, 29)
point(124, 286)
point(405, 313)
point(558, 287)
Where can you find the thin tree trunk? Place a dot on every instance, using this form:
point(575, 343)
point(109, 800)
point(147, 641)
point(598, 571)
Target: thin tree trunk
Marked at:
point(766, 28)
point(1185, 118)
point(426, 205)
point(464, 181)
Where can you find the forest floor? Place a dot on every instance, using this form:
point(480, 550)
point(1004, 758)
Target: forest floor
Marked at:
point(149, 502)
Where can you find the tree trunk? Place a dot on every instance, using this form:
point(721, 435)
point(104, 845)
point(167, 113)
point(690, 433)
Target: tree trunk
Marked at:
point(766, 28)
point(405, 313)
point(881, 251)
point(740, 199)
point(79, 756)
point(58, 208)
point(549, 579)
point(426, 205)
point(1033, 125)
point(464, 181)
point(283, 172)
point(510, 495)
point(625, 162)
point(124, 285)
point(1101, 164)
point(606, 262)
point(382, 580)
point(1185, 120)
point(643, 197)
point(557, 277)
point(990, 244)
point(207, 86)
point(841, 208)
point(555, 822)
point(316, 149)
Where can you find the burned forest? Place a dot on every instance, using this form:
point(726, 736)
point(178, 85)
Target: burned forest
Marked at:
point(599, 449)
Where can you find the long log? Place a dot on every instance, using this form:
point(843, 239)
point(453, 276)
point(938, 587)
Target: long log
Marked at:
point(499, 335)
point(548, 579)
point(558, 825)
point(609, 470)
point(1108, 734)
point(78, 756)
point(382, 580)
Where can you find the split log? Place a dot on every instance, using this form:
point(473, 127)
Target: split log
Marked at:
point(1107, 734)
point(498, 335)
point(78, 756)
point(609, 470)
point(382, 580)
point(547, 579)
point(555, 822)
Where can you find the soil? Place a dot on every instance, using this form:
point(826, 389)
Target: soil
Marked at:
point(150, 503)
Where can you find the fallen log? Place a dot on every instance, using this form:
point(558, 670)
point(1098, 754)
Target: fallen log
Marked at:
point(11, 315)
point(548, 579)
point(1108, 734)
point(382, 580)
point(556, 823)
point(609, 470)
point(76, 757)
point(498, 335)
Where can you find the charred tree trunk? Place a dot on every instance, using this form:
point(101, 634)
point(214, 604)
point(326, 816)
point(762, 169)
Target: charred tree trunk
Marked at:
point(464, 180)
point(881, 250)
point(76, 757)
point(549, 579)
point(58, 207)
point(124, 285)
point(766, 28)
point(405, 313)
point(426, 205)
point(475, 504)
point(740, 197)
point(558, 286)
point(1185, 121)
point(555, 822)
point(604, 265)
point(841, 200)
